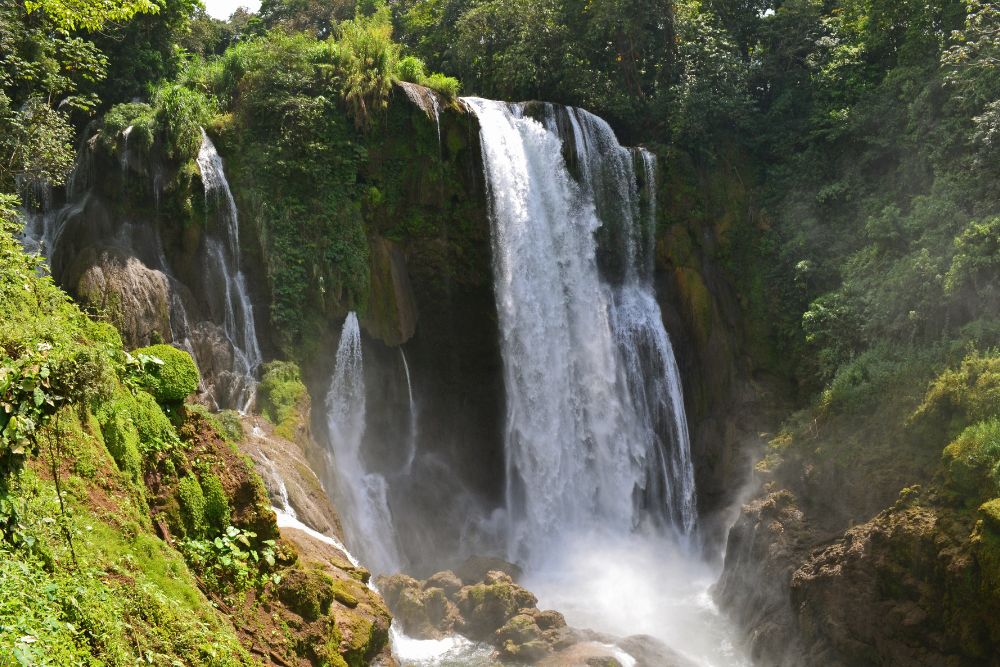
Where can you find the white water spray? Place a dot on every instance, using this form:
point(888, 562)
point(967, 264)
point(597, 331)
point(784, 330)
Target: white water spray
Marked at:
point(363, 495)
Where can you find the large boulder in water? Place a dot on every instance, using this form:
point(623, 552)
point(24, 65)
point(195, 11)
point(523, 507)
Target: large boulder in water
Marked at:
point(494, 610)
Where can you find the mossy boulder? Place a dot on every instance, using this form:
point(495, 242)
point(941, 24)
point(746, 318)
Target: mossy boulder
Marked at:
point(172, 376)
point(191, 499)
point(307, 592)
point(283, 397)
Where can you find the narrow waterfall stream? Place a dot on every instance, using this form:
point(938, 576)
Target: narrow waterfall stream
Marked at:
point(411, 445)
point(600, 484)
point(233, 309)
point(362, 495)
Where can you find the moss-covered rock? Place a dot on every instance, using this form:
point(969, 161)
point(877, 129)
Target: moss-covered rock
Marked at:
point(307, 592)
point(217, 510)
point(174, 379)
point(283, 397)
point(191, 499)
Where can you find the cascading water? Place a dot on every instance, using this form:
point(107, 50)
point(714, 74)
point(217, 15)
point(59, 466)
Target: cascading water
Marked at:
point(231, 305)
point(362, 494)
point(411, 448)
point(579, 446)
point(600, 483)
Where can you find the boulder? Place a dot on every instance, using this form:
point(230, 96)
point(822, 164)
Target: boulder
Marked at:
point(133, 296)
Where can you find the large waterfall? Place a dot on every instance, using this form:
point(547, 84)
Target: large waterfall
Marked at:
point(230, 304)
point(596, 436)
point(362, 495)
point(600, 485)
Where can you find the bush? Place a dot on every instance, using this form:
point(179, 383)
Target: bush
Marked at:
point(282, 394)
point(180, 114)
point(445, 85)
point(217, 512)
point(369, 61)
point(968, 393)
point(168, 374)
point(192, 502)
point(972, 461)
point(121, 437)
point(138, 116)
point(410, 69)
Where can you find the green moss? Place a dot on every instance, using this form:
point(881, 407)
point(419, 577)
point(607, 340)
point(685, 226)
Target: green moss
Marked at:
point(174, 379)
point(991, 512)
point(192, 504)
point(307, 592)
point(282, 396)
point(156, 433)
point(121, 436)
point(345, 592)
point(129, 599)
point(217, 510)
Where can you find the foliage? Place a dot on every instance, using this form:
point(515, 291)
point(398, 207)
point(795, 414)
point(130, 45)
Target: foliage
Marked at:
point(282, 394)
point(51, 355)
point(168, 373)
point(90, 15)
point(136, 115)
point(129, 600)
point(296, 156)
point(369, 61)
point(233, 561)
point(181, 113)
point(967, 394)
point(972, 461)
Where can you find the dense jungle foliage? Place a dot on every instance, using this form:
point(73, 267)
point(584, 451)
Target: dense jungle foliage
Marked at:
point(867, 133)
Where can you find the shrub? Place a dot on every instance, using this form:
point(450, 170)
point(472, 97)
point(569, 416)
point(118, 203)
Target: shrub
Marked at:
point(445, 85)
point(181, 113)
point(281, 395)
point(970, 392)
point(168, 374)
point(233, 561)
point(192, 502)
point(369, 61)
point(972, 461)
point(410, 69)
point(138, 116)
point(217, 512)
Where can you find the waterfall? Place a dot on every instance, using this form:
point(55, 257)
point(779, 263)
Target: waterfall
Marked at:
point(595, 431)
point(363, 495)
point(411, 449)
point(232, 304)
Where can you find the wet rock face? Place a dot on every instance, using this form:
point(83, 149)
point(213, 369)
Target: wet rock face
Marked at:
point(135, 297)
point(765, 547)
point(494, 610)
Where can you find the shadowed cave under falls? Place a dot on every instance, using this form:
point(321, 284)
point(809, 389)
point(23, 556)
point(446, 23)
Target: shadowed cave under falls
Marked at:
point(598, 498)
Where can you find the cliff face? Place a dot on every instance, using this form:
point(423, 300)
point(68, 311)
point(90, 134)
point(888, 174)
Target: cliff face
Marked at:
point(867, 544)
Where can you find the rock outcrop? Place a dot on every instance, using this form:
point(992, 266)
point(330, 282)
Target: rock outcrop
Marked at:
point(493, 610)
point(133, 296)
